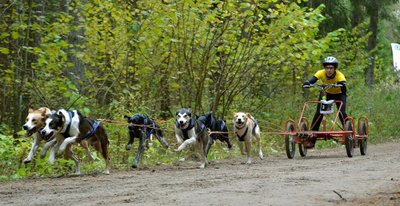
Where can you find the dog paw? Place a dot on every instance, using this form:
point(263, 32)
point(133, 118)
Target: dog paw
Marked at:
point(61, 149)
point(26, 161)
point(107, 172)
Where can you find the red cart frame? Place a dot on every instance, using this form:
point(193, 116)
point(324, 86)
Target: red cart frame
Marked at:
point(301, 135)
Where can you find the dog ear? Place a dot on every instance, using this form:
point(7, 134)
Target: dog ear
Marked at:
point(30, 110)
point(248, 115)
point(126, 117)
point(60, 114)
point(44, 113)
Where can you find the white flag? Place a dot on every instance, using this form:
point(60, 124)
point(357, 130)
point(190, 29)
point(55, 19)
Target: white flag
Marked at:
point(396, 56)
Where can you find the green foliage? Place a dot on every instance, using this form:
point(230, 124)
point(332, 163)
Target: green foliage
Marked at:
point(381, 110)
point(7, 152)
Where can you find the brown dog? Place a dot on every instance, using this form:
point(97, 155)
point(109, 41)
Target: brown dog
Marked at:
point(35, 122)
point(247, 130)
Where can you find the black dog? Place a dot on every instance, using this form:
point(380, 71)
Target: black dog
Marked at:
point(142, 127)
point(216, 125)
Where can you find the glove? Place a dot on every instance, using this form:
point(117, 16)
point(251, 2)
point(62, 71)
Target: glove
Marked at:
point(306, 84)
point(341, 84)
point(342, 87)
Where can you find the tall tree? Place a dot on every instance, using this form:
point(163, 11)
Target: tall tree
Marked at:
point(375, 11)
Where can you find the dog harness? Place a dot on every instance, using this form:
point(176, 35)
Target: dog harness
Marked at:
point(66, 132)
point(144, 129)
point(212, 122)
point(185, 131)
point(95, 125)
point(191, 125)
point(146, 123)
point(241, 138)
point(222, 124)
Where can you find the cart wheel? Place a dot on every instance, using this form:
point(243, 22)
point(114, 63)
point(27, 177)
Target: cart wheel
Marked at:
point(349, 141)
point(302, 149)
point(289, 141)
point(363, 141)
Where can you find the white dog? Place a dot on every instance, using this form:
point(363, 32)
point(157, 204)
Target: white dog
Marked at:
point(247, 130)
point(75, 128)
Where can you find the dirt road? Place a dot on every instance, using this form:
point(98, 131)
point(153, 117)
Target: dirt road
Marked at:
point(325, 177)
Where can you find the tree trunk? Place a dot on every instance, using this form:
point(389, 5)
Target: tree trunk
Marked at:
point(4, 58)
point(21, 63)
point(372, 43)
point(306, 76)
point(165, 110)
point(357, 14)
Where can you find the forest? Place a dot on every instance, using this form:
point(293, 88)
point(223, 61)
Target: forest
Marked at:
point(110, 58)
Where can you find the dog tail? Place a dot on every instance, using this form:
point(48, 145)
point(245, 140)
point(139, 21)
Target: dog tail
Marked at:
point(104, 143)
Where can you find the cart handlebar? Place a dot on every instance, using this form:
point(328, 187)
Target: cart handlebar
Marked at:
point(322, 87)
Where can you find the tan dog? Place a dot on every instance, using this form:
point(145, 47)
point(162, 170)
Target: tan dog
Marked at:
point(247, 130)
point(35, 122)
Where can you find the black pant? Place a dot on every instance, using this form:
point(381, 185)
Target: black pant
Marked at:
point(342, 114)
